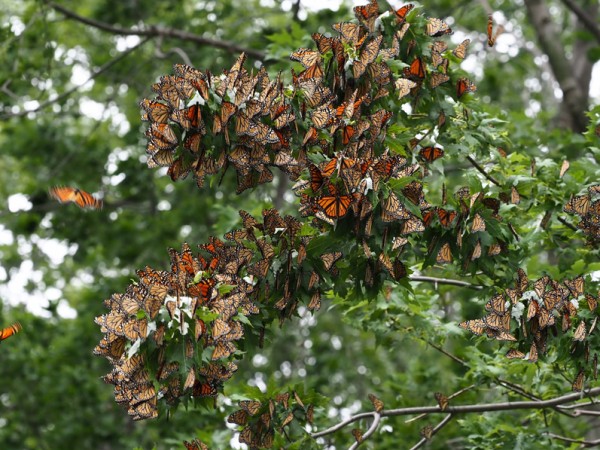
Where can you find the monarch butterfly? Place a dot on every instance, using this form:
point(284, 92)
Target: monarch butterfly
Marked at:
point(377, 403)
point(522, 282)
point(329, 259)
point(324, 43)
point(442, 400)
point(323, 116)
point(358, 435)
point(161, 136)
point(400, 14)
point(476, 251)
point(464, 86)
point(437, 78)
point(445, 254)
point(350, 31)
point(431, 153)
point(478, 224)
point(392, 209)
point(144, 410)
point(575, 286)
point(461, 50)
point(412, 225)
point(580, 332)
point(578, 205)
point(579, 379)
point(392, 52)
point(404, 86)
point(336, 206)
point(437, 27)
point(496, 321)
point(315, 301)
point(306, 57)
point(416, 71)
point(252, 407)
point(189, 118)
point(514, 354)
point(427, 432)
point(195, 445)
point(367, 55)
point(9, 331)
point(446, 216)
point(592, 302)
point(402, 31)
point(223, 350)
point(156, 111)
point(497, 304)
point(81, 198)
point(490, 27)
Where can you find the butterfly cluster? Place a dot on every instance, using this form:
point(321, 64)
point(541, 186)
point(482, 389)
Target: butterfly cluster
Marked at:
point(201, 305)
point(196, 306)
point(260, 419)
point(587, 207)
point(526, 313)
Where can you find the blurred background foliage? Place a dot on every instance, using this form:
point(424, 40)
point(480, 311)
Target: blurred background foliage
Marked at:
point(59, 263)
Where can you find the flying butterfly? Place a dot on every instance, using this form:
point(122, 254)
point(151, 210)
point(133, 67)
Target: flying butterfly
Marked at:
point(81, 198)
point(9, 331)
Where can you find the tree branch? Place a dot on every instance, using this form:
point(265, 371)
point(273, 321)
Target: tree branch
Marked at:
point(465, 409)
point(574, 97)
point(68, 92)
point(445, 281)
point(153, 31)
point(584, 18)
point(583, 442)
point(483, 172)
point(437, 428)
point(370, 431)
point(567, 224)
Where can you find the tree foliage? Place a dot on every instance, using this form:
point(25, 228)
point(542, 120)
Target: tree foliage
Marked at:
point(437, 250)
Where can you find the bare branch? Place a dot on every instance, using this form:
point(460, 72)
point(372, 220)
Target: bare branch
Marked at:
point(567, 224)
point(70, 91)
point(445, 281)
point(437, 428)
point(465, 409)
point(153, 31)
point(370, 431)
point(483, 172)
point(584, 18)
point(583, 442)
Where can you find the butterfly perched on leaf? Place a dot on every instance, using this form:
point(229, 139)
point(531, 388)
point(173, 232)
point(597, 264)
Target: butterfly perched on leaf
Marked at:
point(9, 331)
point(66, 194)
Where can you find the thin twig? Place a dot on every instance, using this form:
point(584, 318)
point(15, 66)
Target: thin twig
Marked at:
point(449, 355)
point(584, 18)
point(464, 409)
point(445, 281)
point(437, 428)
point(70, 91)
point(583, 442)
point(153, 31)
point(567, 224)
point(369, 432)
point(483, 172)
